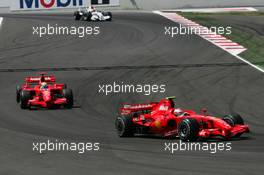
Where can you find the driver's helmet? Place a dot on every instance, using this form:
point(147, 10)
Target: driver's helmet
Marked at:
point(44, 85)
point(178, 111)
point(91, 9)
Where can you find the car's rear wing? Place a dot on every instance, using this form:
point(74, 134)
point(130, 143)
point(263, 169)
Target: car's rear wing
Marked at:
point(129, 108)
point(48, 79)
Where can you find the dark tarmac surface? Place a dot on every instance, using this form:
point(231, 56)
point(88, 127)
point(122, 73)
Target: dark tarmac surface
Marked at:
point(132, 39)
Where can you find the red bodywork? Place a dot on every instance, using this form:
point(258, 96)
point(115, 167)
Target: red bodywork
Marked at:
point(158, 118)
point(46, 98)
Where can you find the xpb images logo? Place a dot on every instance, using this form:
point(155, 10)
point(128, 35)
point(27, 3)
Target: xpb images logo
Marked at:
point(211, 147)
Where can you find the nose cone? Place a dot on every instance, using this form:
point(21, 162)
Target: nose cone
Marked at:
point(46, 95)
point(219, 123)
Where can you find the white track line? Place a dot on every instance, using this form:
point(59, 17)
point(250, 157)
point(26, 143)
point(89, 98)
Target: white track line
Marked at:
point(229, 46)
point(1, 21)
point(215, 10)
point(249, 63)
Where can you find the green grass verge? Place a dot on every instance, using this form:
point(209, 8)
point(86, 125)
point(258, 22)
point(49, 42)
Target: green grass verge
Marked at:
point(252, 41)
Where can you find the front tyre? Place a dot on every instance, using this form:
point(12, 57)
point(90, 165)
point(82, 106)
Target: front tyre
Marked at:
point(233, 119)
point(18, 94)
point(68, 94)
point(188, 129)
point(25, 97)
point(125, 126)
point(110, 15)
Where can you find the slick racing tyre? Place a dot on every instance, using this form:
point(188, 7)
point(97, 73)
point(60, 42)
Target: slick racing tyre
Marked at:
point(233, 119)
point(108, 14)
point(18, 94)
point(124, 126)
point(25, 97)
point(188, 129)
point(77, 16)
point(87, 16)
point(68, 94)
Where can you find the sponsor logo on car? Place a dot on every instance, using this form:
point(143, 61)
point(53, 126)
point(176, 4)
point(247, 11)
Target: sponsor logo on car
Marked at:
point(137, 106)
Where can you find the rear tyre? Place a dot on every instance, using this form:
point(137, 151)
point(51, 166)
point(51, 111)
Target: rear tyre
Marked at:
point(233, 119)
point(77, 16)
point(25, 97)
point(125, 126)
point(109, 14)
point(188, 129)
point(18, 94)
point(68, 94)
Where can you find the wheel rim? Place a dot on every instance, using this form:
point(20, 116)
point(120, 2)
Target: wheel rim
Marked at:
point(183, 131)
point(229, 121)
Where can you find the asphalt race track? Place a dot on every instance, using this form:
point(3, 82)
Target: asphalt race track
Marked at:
point(131, 49)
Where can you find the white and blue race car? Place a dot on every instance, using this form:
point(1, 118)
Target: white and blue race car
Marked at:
point(90, 14)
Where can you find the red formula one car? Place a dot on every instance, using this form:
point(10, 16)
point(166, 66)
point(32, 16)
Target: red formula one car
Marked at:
point(43, 91)
point(163, 119)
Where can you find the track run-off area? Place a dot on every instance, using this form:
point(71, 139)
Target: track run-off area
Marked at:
point(131, 49)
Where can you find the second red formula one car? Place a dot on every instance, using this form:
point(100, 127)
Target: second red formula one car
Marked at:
point(43, 91)
point(163, 119)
